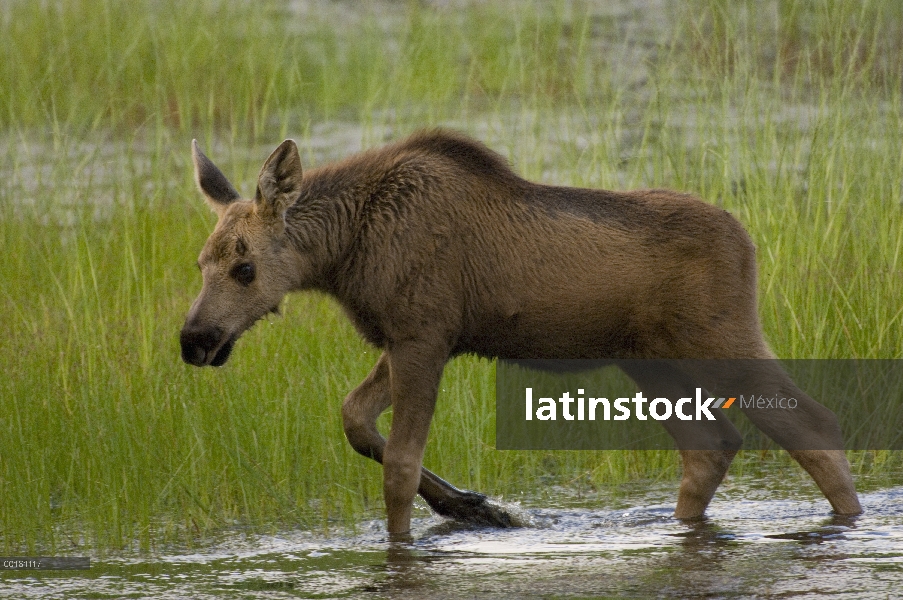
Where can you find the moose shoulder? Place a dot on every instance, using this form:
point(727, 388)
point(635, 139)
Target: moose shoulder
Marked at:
point(435, 247)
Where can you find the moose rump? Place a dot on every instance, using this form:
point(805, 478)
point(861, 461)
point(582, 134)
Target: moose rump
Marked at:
point(435, 247)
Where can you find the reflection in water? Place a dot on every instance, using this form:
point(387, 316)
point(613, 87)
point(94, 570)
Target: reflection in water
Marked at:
point(744, 548)
point(833, 528)
point(405, 568)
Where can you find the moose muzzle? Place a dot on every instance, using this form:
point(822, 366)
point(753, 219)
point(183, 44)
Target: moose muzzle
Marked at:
point(202, 346)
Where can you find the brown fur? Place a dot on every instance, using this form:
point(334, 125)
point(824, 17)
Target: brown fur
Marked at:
point(435, 247)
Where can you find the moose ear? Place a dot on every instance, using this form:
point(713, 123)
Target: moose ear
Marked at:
point(279, 183)
point(217, 190)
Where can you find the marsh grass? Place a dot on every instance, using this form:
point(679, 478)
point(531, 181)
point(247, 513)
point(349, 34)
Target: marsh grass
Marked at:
point(786, 114)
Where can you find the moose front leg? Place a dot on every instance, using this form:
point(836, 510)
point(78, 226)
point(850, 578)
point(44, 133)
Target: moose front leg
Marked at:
point(359, 413)
point(414, 373)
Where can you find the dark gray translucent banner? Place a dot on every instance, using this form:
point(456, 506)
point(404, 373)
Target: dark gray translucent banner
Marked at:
point(697, 404)
point(45, 563)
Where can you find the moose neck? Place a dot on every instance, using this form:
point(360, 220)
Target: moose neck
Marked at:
point(345, 226)
point(325, 222)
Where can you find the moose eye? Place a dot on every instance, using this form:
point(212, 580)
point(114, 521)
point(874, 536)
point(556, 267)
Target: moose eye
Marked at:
point(244, 273)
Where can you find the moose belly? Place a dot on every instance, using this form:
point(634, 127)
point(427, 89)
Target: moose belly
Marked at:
point(555, 335)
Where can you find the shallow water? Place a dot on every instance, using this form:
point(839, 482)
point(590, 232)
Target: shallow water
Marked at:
point(745, 548)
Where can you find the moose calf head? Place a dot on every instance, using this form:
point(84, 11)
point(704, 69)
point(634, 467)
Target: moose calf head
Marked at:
point(247, 264)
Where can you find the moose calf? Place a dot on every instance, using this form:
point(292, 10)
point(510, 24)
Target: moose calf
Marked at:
point(435, 247)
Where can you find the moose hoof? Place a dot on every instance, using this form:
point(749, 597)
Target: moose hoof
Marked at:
point(473, 508)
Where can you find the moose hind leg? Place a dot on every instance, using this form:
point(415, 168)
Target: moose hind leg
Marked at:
point(810, 432)
point(831, 471)
point(703, 472)
point(706, 447)
point(359, 413)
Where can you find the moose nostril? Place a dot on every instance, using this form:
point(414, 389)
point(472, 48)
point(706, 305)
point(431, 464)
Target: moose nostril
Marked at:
point(193, 355)
point(197, 343)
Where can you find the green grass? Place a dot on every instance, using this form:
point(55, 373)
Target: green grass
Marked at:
point(791, 119)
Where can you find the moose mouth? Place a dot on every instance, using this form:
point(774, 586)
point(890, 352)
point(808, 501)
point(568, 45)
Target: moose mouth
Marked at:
point(222, 355)
point(203, 348)
point(204, 345)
